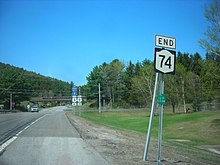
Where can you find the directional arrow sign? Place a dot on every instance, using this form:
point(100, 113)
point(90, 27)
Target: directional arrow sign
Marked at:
point(164, 61)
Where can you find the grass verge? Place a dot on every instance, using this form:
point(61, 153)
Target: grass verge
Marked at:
point(200, 128)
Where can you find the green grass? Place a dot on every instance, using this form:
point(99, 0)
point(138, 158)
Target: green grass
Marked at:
point(199, 128)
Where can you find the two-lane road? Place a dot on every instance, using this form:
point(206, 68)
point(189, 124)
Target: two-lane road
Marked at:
point(12, 123)
point(51, 140)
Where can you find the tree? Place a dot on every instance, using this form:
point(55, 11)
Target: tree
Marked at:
point(196, 63)
point(194, 89)
point(143, 83)
point(112, 75)
point(185, 60)
point(210, 79)
point(91, 89)
point(127, 81)
point(110, 78)
point(212, 41)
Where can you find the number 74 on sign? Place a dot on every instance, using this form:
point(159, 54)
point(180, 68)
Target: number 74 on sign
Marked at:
point(165, 61)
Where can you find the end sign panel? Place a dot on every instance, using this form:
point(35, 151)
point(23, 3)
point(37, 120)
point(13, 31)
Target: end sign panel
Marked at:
point(165, 42)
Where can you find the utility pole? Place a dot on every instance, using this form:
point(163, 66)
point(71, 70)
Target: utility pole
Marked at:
point(99, 98)
point(10, 101)
point(183, 94)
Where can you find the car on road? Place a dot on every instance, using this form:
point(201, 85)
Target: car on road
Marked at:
point(34, 108)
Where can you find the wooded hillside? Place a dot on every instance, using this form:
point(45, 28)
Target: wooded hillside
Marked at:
point(24, 84)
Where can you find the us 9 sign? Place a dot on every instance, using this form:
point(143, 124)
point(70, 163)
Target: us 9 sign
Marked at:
point(164, 61)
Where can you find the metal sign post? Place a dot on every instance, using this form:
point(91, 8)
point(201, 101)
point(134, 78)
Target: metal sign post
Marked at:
point(151, 118)
point(160, 119)
point(164, 63)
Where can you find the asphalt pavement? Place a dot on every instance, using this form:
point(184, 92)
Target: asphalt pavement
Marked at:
point(49, 140)
point(12, 123)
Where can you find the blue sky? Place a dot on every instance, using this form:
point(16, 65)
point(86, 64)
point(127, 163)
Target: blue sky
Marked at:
point(67, 39)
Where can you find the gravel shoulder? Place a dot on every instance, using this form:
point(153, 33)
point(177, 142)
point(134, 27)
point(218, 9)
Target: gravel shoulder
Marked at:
point(121, 147)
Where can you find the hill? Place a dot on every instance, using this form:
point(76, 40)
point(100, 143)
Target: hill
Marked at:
point(25, 84)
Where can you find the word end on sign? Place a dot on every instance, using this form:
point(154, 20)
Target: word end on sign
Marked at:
point(165, 42)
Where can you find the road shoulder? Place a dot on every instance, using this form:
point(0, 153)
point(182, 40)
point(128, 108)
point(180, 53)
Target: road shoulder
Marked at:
point(123, 147)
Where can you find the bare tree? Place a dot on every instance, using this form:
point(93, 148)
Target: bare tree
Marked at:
point(212, 40)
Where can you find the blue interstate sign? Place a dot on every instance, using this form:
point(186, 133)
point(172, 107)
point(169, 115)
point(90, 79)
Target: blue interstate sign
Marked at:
point(74, 91)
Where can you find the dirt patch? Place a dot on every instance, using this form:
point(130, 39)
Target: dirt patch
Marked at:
point(120, 147)
point(212, 148)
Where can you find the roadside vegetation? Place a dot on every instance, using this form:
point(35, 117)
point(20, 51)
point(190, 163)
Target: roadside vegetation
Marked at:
point(193, 129)
point(194, 87)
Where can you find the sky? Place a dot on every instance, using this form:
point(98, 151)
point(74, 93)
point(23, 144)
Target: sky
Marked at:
point(66, 39)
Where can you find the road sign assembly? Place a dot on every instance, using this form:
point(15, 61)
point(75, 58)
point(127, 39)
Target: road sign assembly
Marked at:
point(76, 99)
point(164, 63)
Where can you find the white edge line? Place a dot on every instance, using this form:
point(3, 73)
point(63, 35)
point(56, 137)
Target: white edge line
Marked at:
point(5, 144)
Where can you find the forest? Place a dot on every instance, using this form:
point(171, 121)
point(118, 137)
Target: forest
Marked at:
point(24, 85)
point(195, 83)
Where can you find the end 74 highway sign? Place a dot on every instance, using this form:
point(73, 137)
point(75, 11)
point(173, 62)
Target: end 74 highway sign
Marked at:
point(164, 61)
